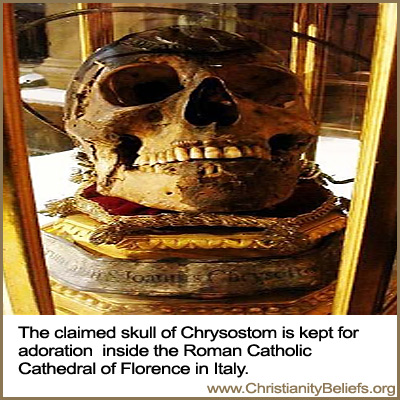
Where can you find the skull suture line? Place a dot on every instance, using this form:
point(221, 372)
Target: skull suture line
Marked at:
point(190, 119)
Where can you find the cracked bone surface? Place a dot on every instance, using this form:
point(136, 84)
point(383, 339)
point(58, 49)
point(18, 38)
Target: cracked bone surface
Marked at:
point(190, 119)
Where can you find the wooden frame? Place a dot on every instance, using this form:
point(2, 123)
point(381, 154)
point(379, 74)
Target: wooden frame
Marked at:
point(372, 212)
point(25, 272)
point(96, 30)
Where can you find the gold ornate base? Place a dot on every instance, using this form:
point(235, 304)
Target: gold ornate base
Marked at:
point(73, 302)
point(208, 257)
point(201, 265)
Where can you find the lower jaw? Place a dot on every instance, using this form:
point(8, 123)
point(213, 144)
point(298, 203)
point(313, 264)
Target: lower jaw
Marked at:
point(207, 196)
point(231, 186)
point(115, 221)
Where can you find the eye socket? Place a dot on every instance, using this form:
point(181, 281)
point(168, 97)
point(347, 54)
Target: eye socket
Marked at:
point(139, 84)
point(261, 84)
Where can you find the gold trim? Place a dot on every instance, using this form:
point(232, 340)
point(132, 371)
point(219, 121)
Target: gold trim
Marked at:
point(294, 52)
point(80, 227)
point(309, 65)
point(70, 301)
point(115, 228)
point(7, 306)
point(84, 36)
point(376, 100)
point(22, 297)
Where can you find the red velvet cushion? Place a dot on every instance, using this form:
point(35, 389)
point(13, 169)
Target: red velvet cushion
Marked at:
point(115, 205)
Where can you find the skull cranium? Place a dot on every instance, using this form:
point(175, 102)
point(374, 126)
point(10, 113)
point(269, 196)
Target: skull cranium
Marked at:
point(190, 119)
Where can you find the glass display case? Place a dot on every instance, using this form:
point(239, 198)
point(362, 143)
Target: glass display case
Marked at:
point(316, 83)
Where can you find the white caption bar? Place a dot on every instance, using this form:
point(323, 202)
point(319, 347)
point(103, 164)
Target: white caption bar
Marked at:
point(200, 356)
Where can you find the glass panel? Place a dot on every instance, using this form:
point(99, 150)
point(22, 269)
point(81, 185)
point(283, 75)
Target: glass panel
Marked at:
point(49, 54)
point(333, 68)
point(352, 29)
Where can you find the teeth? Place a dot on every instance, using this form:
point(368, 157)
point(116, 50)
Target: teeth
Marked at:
point(142, 160)
point(247, 151)
point(196, 153)
point(138, 161)
point(145, 168)
point(161, 158)
point(152, 159)
point(158, 168)
point(209, 169)
point(232, 152)
point(181, 154)
point(170, 155)
point(212, 152)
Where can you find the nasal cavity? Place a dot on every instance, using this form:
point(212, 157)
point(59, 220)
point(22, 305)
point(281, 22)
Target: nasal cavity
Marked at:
point(210, 102)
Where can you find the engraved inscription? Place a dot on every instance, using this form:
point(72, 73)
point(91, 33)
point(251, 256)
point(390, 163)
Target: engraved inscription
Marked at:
point(85, 271)
point(213, 276)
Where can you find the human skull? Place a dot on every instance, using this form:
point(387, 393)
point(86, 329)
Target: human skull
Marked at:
point(190, 119)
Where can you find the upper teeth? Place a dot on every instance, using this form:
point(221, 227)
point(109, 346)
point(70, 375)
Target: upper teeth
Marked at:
point(232, 152)
point(198, 153)
point(195, 153)
point(212, 152)
point(181, 154)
